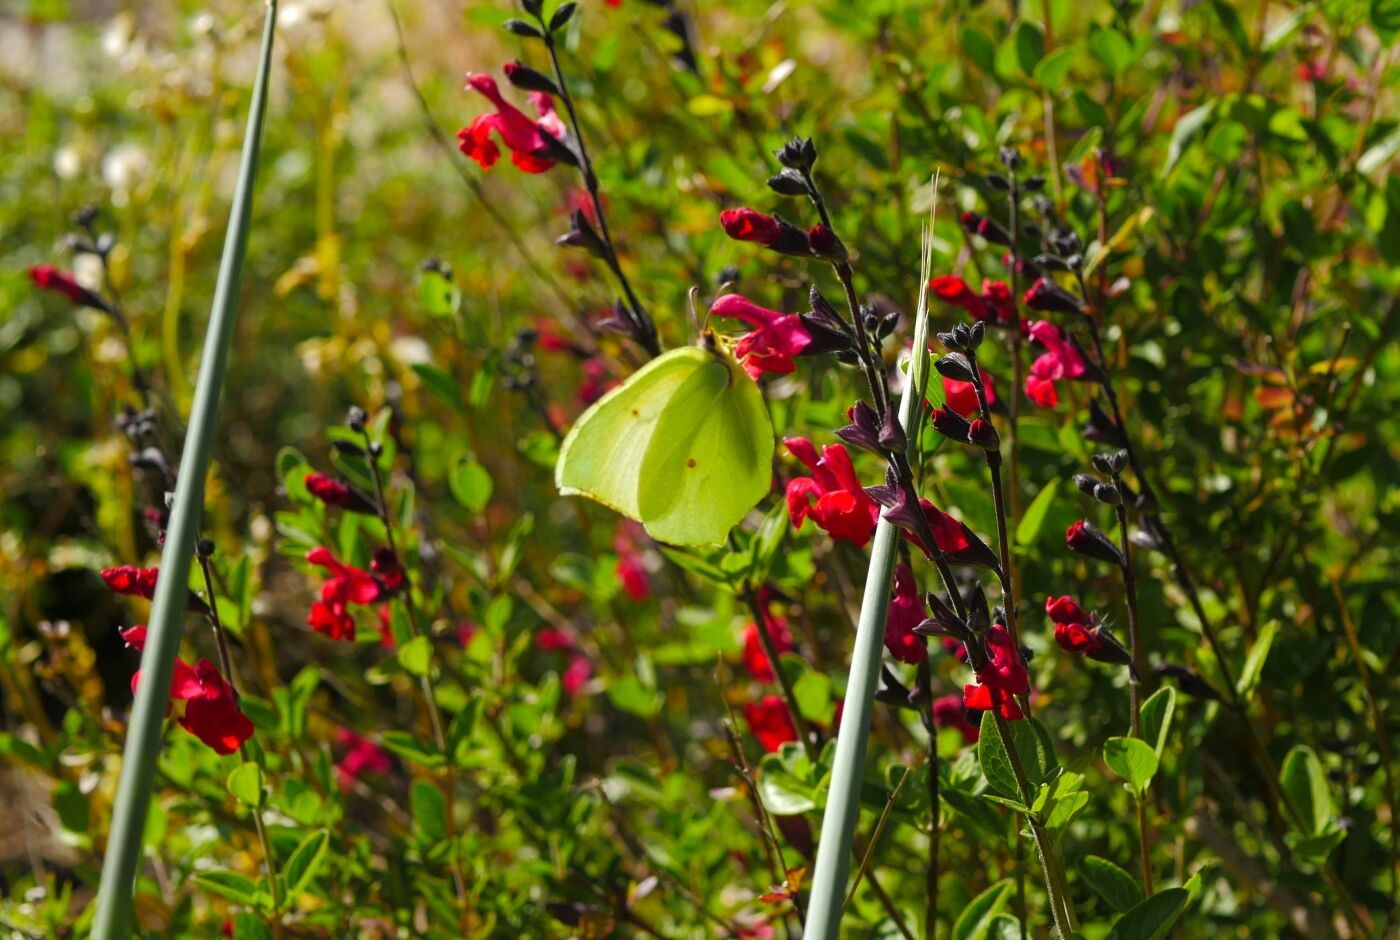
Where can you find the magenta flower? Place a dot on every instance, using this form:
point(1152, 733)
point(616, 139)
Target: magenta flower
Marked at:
point(832, 496)
point(774, 340)
point(906, 612)
point(1061, 360)
point(534, 144)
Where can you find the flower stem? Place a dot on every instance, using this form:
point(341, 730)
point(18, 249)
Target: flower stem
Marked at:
point(646, 329)
point(226, 667)
point(459, 884)
point(770, 649)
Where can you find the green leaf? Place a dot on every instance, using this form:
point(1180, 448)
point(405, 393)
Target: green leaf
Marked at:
point(1385, 17)
point(630, 695)
point(979, 49)
point(1033, 519)
point(440, 383)
point(71, 804)
point(1254, 662)
point(1305, 785)
point(976, 918)
point(471, 484)
point(429, 811)
point(1030, 46)
point(1113, 49)
point(1131, 759)
point(782, 792)
point(412, 747)
point(1382, 152)
point(1033, 747)
point(246, 783)
point(1157, 718)
point(1052, 70)
point(305, 862)
point(250, 927)
point(1063, 811)
point(416, 656)
point(1153, 918)
point(1187, 127)
point(813, 694)
point(1112, 883)
point(230, 885)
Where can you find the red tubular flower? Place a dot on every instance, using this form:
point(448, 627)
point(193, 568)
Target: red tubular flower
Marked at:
point(1002, 679)
point(362, 756)
point(1084, 537)
point(956, 540)
point(962, 396)
point(65, 285)
point(948, 712)
point(750, 225)
point(531, 150)
point(981, 225)
point(906, 612)
point(576, 674)
point(769, 721)
point(553, 638)
point(347, 585)
point(1078, 632)
point(131, 580)
point(386, 567)
point(997, 297)
point(333, 492)
point(954, 290)
point(775, 339)
point(842, 508)
point(755, 657)
point(209, 708)
point(1061, 360)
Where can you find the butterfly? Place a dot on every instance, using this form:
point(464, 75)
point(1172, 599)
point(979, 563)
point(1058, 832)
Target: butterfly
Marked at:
point(684, 446)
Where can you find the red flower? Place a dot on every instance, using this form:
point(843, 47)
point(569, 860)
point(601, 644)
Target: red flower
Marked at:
point(750, 225)
point(955, 539)
point(529, 141)
point(362, 756)
point(776, 337)
point(1061, 360)
point(906, 613)
point(386, 567)
point(1074, 629)
point(842, 508)
point(335, 493)
point(347, 585)
point(595, 384)
point(210, 708)
point(948, 712)
point(997, 296)
point(954, 290)
point(131, 580)
point(1084, 537)
point(631, 567)
point(553, 638)
point(955, 648)
point(576, 674)
point(1002, 679)
point(769, 721)
point(755, 657)
point(65, 285)
point(962, 396)
point(985, 227)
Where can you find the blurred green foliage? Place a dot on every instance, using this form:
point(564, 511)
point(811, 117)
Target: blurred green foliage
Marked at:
point(1248, 235)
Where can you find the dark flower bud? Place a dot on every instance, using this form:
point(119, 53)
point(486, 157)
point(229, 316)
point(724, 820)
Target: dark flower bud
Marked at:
point(770, 231)
point(355, 419)
point(963, 334)
point(799, 153)
point(985, 228)
point(955, 366)
point(204, 548)
point(1051, 263)
point(375, 448)
point(978, 615)
point(891, 431)
point(1085, 538)
point(561, 16)
point(1189, 682)
point(1047, 296)
point(582, 236)
point(825, 244)
point(437, 265)
point(727, 276)
point(887, 324)
point(1118, 460)
point(788, 182)
point(1101, 463)
point(1010, 158)
point(950, 424)
point(888, 493)
point(532, 7)
point(1075, 261)
point(1033, 184)
point(86, 217)
point(823, 312)
point(863, 431)
point(1108, 493)
point(1066, 241)
point(950, 340)
point(349, 448)
point(1086, 483)
point(150, 458)
point(983, 434)
point(522, 28)
point(1031, 230)
point(555, 149)
point(976, 333)
point(522, 76)
point(997, 181)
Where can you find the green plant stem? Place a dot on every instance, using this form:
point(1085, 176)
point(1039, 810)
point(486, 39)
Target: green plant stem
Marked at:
point(113, 917)
point(647, 337)
point(770, 649)
point(932, 867)
point(459, 884)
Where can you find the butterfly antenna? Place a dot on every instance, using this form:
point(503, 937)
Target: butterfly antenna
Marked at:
point(700, 325)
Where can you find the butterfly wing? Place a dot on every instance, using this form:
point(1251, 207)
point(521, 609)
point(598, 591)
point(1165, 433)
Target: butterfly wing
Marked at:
point(601, 457)
point(710, 459)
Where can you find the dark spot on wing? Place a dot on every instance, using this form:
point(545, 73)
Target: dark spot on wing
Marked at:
point(690, 463)
point(636, 413)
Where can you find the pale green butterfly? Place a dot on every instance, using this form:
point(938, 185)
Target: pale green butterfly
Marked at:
point(684, 446)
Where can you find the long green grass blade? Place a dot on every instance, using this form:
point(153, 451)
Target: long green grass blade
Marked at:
point(114, 898)
point(843, 801)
